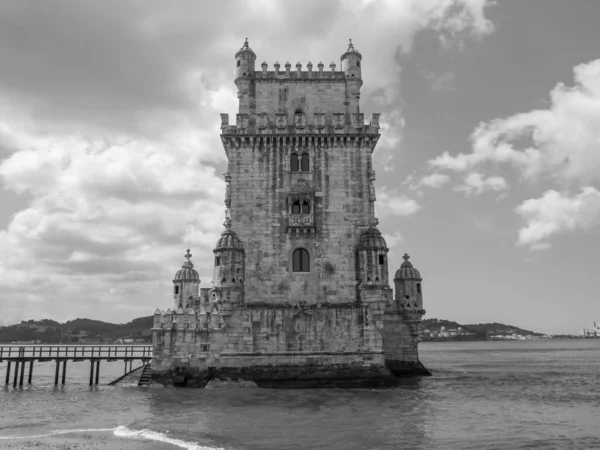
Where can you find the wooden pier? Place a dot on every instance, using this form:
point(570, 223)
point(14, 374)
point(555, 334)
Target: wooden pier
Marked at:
point(21, 355)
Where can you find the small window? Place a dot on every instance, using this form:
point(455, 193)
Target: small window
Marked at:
point(238, 63)
point(381, 260)
point(406, 296)
point(176, 290)
point(305, 208)
point(294, 163)
point(418, 288)
point(296, 207)
point(217, 261)
point(358, 64)
point(301, 260)
point(304, 163)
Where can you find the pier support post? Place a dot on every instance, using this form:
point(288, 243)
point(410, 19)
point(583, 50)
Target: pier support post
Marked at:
point(91, 371)
point(8, 373)
point(30, 372)
point(64, 371)
point(56, 372)
point(16, 374)
point(97, 370)
point(22, 373)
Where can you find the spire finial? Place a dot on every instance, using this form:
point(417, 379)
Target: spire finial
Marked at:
point(350, 46)
point(374, 222)
point(406, 257)
point(188, 255)
point(187, 264)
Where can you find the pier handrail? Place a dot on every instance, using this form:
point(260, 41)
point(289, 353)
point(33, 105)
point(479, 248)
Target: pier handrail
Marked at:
point(71, 351)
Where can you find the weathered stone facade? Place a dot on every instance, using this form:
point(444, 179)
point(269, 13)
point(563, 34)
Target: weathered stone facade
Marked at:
point(300, 292)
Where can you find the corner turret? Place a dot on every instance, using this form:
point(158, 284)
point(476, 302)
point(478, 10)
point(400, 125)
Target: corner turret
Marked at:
point(372, 259)
point(185, 284)
point(351, 61)
point(244, 78)
point(407, 281)
point(245, 60)
point(228, 280)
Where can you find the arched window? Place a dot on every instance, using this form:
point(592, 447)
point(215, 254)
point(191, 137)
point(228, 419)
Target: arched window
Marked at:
point(294, 163)
point(304, 163)
point(301, 261)
point(305, 207)
point(296, 207)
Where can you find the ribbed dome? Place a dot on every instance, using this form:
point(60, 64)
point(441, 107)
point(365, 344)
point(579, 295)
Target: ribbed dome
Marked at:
point(187, 271)
point(351, 49)
point(228, 239)
point(407, 270)
point(301, 188)
point(372, 238)
point(245, 48)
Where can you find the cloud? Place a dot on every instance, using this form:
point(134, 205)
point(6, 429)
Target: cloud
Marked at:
point(392, 203)
point(560, 143)
point(434, 180)
point(476, 184)
point(393, 239)
point(444, 82)
point(555, 213)
point(109, 131)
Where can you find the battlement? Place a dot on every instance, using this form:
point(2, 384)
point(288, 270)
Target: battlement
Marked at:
point(301, 123)
point(186, 319)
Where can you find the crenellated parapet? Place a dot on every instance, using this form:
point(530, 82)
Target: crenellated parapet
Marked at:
point(187, 320)
point(319, 123)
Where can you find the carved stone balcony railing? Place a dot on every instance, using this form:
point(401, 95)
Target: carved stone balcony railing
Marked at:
point(300, 220)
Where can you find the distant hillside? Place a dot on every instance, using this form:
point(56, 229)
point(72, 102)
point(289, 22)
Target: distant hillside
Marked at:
point(77, 331)
point(81, 331)
point(479, 331)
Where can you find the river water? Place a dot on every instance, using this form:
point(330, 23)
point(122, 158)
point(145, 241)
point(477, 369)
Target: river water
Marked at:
point(482, 395)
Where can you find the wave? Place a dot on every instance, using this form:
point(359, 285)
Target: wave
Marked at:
point(122, 431)
point(58, 433)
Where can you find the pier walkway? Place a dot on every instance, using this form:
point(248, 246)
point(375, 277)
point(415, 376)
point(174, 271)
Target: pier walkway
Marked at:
point(20, 355)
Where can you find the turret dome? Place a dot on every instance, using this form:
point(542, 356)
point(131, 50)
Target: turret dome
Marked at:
point(245, 49)
point(407, 271)
point(372, 238)
point(228, 239)
point(187, 271)
point(351, 50)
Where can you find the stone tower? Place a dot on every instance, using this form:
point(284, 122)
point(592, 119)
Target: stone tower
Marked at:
point(300, 180)
point(301, 294)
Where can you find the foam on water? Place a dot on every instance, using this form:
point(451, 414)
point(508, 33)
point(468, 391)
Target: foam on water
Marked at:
point(123, 431)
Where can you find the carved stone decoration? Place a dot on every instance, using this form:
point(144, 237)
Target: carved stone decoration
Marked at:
point(371, 185)
point(224, 120)
point(375, 120)
point(281, 120)
point(262, 121)
point(300, 120)
point(339, 120)
point(319, 120)
point(227, 189)
point(241, 121)
point(358, 120)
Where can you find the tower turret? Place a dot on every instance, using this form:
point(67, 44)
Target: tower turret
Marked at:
point(229, 271)
point(245, 60)
point(186, 284)
point(351, 61)
point(407, 280)
point(372, 258)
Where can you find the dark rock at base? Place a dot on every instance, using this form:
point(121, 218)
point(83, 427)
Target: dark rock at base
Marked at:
point(402, 369)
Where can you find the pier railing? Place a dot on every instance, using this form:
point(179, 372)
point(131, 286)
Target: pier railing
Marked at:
point(21, 354)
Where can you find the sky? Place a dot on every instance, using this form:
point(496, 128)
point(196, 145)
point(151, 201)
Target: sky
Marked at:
point(488, 168)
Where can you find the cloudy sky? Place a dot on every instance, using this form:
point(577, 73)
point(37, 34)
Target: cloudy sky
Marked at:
point(488, 170)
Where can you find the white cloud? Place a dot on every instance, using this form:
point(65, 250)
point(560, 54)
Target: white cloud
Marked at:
point(392, 203)
point(555, 213)
point(560, 142)
point(476, 184)
point(393, 239)
point(444, 82)
point(434, 180)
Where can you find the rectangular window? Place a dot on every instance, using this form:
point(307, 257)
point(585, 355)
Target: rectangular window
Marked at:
point(418, 288)
point(217, 260)
point(381, 260)
point(176, 290)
